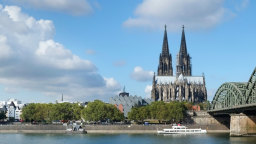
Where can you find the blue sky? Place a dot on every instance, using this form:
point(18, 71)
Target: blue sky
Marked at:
point(90, 49)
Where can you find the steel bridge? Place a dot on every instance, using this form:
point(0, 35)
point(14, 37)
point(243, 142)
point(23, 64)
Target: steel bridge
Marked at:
point(234, 97)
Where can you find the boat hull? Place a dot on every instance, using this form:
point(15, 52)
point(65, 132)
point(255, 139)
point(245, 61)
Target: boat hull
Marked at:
point(187, 131)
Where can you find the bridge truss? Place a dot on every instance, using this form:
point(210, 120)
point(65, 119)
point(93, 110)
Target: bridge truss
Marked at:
point(235, 95)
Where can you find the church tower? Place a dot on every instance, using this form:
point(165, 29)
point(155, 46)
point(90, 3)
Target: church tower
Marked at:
point(165, 59)
point(183, 59)
point(183, 86)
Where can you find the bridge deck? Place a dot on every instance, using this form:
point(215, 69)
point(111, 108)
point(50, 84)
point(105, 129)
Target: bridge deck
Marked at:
point(234, 109)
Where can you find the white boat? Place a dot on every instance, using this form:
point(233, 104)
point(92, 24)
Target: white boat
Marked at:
point(74, 128)
point(181, 130)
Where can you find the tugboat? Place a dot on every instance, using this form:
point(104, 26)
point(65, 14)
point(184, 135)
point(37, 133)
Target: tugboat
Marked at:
point(181, 130)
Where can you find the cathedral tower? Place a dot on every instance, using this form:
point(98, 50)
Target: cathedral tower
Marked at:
point(183, 86)
point(183, 59)
point(165, 59)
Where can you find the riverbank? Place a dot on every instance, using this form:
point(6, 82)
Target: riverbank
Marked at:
point(32, 129)
point(99, 129)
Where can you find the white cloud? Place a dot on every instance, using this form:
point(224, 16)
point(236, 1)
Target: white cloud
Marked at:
point(148, 89)
point(111, 83)
point(196, 14)
point(5, 49)
point(55, 54)
point(30, 59)
point(75, 7)
point(139, 74)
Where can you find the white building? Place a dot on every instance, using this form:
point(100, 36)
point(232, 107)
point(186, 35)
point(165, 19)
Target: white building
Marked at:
point(11, 108)
point(14, 108)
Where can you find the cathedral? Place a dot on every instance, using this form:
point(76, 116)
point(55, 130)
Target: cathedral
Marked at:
point(182, 87)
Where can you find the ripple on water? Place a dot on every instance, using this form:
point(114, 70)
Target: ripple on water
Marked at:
point(123, 139)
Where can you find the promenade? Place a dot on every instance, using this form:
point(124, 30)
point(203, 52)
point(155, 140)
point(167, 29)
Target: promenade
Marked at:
point(104, 129)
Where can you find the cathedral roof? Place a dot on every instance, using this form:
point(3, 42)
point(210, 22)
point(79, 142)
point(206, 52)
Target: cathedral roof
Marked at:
point(181, 78)
point(173, 79)
point(165, 79)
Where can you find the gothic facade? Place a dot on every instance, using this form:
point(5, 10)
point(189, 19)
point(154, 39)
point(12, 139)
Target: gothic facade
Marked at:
point(183, 86)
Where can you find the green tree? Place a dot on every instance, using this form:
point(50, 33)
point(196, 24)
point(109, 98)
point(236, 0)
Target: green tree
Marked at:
point(100, 111)
point(204, 105)
point(188, 105)
point(77, 111)
point(168, 112)
point(154, 108)
point(49, 112)
point(28, 112)
point(2, 115)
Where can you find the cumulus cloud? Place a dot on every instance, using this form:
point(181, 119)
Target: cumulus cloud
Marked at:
point(195, 14)
point(31, 59)
point(139, 74)
point(147, 90)
point(75, 7)
point(5, 49)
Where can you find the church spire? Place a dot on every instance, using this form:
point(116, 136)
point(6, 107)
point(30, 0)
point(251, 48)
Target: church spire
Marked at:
point(165, 47)
point(183, 45)
point(124, 89)
point(165, 59)
point(183, 59)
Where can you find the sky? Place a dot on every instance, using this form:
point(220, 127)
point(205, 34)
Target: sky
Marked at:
point(91, 49)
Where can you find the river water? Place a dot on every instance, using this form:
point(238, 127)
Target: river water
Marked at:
point(123, 139)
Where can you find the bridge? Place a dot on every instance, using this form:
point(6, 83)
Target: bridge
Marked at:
point(238, 102)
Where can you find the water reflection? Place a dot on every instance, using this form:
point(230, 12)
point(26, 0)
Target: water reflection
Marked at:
point(123, 139)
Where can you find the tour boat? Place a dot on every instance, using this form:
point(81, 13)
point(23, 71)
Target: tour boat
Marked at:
point(181, 130)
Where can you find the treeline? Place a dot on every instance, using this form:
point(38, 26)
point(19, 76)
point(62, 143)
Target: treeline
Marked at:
point(99, 111)
point(167, 112)
point(95, 111)
point(50, 112)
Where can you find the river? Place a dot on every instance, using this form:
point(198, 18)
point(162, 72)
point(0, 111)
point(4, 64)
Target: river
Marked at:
point(123, 139)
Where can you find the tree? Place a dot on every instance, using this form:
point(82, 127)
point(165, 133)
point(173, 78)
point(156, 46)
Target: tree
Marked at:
point(168, 112)
point(188, 105)
point(99, 111)
point(49, 112)
point(2, 115)
point(154, 108)
point(77, 111)
point(205, 105)
point(28, 112)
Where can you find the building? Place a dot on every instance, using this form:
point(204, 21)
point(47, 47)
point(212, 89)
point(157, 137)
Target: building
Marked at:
point(13, 108)
point(183, 86)
point(3, 106)
point(124, 102)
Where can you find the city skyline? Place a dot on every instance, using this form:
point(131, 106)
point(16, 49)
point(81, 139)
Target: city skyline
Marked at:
point(89, 50)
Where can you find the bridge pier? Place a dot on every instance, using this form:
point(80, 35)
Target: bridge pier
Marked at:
point(241, 124)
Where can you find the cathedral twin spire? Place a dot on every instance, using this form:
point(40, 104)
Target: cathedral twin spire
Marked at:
point(183, 59)
point(165, 58)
